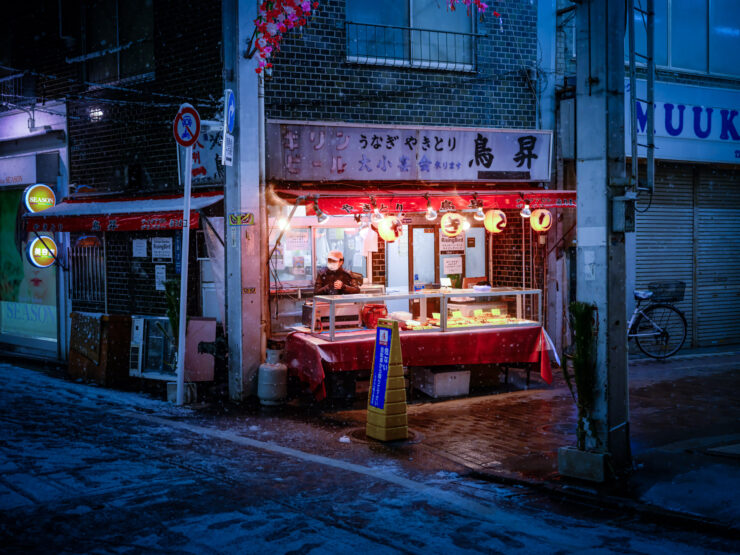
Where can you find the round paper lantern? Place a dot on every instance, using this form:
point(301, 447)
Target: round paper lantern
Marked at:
point(390, 228)
point(495, 221)
point(541, 220)
point(452, 224)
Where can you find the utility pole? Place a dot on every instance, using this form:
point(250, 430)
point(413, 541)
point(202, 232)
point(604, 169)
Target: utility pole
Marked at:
point(604, 214)
point(244, 318)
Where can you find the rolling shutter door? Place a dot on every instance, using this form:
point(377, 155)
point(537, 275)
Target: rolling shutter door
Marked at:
point(718, 257)
point(664, 234)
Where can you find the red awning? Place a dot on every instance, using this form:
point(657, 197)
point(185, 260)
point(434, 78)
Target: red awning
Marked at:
point(337, 202)
point(132, 214)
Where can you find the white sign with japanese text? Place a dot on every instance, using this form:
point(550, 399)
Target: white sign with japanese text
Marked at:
point(160, 276)
point(451, 244)
point(452, 265)
point(139, 248)
point(308, 151)
point(161, 248)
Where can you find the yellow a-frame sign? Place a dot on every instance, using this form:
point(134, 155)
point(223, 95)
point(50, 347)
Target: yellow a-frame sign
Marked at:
point(386, 403)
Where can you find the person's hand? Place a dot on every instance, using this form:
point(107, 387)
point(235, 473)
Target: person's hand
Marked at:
point(338, 284)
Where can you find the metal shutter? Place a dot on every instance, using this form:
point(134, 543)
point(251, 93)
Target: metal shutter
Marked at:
point(717, 225)
point(664, 234)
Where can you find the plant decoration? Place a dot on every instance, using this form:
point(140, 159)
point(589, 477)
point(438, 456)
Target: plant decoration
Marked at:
point(583, 322)
point(276, 17)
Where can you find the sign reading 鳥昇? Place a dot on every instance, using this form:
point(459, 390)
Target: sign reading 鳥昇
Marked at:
point(351, 152)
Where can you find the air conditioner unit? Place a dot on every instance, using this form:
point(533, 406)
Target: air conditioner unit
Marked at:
point(137, 347)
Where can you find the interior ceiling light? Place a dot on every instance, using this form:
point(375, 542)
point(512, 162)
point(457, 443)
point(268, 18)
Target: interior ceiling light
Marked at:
point(283, 223)
point(431, 214)
point(320, 215)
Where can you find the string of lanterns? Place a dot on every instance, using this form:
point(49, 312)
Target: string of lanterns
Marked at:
point(452, 224)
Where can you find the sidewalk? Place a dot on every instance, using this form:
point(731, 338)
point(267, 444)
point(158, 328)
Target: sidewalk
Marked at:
point(685, 436)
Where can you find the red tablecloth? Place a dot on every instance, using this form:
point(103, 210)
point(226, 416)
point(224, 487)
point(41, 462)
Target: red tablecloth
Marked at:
point(309, 357)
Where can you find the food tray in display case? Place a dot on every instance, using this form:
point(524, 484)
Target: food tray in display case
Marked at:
point(459, 310)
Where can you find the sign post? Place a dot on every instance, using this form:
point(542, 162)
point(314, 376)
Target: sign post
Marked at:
point(227, 153)
point(386, 403)
point(186, 128)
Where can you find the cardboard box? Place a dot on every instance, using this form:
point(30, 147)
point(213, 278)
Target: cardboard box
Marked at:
point(442, 384)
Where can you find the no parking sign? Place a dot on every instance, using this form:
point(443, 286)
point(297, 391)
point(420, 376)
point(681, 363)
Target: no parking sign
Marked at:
point(186, 126)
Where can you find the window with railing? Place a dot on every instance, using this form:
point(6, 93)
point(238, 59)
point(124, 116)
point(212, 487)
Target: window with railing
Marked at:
point(410, 33)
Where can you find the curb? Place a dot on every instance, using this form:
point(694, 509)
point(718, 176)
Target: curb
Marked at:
point(584, 494)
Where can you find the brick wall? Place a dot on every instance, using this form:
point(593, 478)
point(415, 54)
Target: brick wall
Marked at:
point(313, 81)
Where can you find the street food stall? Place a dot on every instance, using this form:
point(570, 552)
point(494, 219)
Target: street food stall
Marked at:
point(438, 236)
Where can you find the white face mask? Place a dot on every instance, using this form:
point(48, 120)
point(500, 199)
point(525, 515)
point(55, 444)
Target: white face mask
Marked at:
point(333, 266)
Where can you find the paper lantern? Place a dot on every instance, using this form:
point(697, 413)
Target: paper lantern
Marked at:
point(495, 221)
point(541, 220)
point(452, 224)
point(390, 228)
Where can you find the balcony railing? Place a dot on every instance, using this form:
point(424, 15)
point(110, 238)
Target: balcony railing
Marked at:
point(394, 46)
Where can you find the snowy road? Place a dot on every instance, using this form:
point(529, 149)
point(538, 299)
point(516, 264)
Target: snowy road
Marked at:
point(92, 470)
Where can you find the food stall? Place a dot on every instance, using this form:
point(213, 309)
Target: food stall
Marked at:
point(455, 257)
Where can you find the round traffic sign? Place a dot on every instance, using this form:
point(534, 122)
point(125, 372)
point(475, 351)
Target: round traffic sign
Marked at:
point(186, 126)
point(230, 111)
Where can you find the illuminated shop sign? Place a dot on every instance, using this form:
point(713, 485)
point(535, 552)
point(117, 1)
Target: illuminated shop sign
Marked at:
point(39, 197)
point(42, 251)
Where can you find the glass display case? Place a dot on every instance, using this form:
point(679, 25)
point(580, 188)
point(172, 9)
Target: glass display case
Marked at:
point(337, 317)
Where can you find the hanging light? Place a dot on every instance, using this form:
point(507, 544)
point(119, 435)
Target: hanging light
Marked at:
point(526, 211)
point(431, 214)
point(320, 215)
point(479, 214)
point(283, 223)
point(541, 220)
point(452, 224)
point(495, 221)
point(390, 228)
point(376, 216)
point(466, 224)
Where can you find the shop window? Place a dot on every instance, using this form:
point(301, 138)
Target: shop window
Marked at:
point(693, 35)
point(291, 261)
point(412, 33)
point(119, 40)
point(347, 240)
point(724, 36)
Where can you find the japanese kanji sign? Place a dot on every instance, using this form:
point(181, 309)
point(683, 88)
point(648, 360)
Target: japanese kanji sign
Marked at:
point(306, 151)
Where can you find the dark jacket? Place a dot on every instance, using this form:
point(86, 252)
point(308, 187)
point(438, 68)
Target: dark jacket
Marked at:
point(325, 283)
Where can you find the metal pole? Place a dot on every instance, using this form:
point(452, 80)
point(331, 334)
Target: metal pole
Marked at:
point(184, 277)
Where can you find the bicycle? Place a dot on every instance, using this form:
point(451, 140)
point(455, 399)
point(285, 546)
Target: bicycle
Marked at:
point(659, 329)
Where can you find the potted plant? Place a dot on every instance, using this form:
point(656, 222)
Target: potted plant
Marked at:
point(584, 461)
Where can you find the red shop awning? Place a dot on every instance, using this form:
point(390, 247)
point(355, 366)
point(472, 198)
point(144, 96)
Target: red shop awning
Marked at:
point(130, 214)
point(344, 202)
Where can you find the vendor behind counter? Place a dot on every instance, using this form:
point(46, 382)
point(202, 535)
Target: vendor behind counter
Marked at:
point(334, 279)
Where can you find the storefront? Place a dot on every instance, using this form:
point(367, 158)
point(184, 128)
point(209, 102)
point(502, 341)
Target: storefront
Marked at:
point(444, 228)
point(124, 266)
point(685, 229)
point(32, 175)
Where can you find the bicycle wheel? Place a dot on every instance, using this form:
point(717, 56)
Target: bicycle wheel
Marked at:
point(660, 330)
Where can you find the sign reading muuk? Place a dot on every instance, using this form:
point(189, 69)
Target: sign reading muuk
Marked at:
point(307, 151)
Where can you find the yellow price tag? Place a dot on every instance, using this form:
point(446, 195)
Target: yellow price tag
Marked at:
point(496, 311)
point(478, 312)
point(457, 314)
point(435, 315)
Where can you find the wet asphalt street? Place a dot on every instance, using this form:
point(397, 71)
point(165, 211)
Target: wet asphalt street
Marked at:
point(90, 470)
